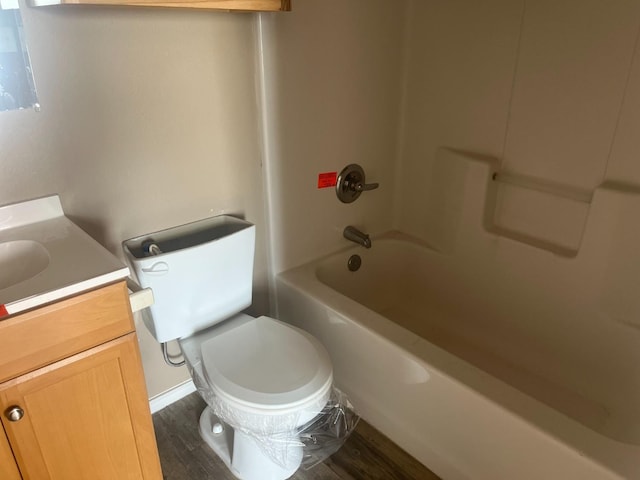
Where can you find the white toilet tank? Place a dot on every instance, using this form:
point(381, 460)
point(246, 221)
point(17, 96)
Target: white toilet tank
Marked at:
point(201, 273)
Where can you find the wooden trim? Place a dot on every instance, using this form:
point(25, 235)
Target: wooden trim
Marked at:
point(228, 5)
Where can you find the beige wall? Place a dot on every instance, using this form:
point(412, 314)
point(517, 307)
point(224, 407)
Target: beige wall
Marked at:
point(333, 83)
point(149, 120)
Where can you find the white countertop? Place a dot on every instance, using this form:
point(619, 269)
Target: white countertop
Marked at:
point(76, 261)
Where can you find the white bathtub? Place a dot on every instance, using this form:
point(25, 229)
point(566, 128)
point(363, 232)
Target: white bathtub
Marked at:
point(455, 368)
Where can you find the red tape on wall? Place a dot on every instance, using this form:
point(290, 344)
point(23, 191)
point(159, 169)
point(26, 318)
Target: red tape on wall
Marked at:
point(328, 179)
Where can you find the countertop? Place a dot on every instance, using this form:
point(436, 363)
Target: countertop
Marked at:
point(77, 262)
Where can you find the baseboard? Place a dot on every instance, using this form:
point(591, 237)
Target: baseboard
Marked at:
point(174, 394)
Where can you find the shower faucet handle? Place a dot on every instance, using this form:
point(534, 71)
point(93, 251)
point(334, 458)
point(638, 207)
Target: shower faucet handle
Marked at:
point(351, 183)
point(362, 187)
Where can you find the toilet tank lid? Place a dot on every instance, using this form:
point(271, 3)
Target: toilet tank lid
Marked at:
point(266, 364)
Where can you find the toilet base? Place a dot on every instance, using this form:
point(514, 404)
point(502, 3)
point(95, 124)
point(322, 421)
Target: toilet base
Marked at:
point(221, 442)
point(241, 453)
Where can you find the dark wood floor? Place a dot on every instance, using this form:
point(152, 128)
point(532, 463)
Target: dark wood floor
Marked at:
point(367, 454)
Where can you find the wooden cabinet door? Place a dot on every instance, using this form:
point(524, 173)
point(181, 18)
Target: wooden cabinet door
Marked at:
point(8, 467)
point(85, 417)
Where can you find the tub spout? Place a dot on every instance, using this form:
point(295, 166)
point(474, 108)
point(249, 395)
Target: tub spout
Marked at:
point(355, 235)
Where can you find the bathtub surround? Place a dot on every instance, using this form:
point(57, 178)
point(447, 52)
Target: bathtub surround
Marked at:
point(497, 319)
point(568, 89)
point(492, 337)
point(512, 145)
point(535, 86)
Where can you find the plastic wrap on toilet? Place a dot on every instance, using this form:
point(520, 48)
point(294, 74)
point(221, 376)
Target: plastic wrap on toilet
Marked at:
point(325, 428)
point(327, 432)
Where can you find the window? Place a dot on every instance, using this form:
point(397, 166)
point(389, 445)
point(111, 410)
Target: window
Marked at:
point(17, 88)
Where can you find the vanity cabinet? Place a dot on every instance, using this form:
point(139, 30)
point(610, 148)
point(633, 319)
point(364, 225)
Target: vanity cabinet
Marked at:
point(242, 5)
point(72, 398)
point(8, 468)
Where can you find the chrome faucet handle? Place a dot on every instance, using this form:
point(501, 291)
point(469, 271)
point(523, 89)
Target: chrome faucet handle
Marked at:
point(351, 183)
point(363, 187)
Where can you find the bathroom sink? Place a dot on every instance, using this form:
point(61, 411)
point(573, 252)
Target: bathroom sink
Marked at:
point(21, 260)
point(45, 257)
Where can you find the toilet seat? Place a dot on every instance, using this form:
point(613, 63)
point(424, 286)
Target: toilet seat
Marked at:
point(261, 365)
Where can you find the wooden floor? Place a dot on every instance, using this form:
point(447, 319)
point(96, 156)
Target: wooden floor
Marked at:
point(367, 454)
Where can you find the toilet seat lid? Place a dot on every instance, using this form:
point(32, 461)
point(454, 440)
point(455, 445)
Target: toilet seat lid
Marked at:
point(266, 364)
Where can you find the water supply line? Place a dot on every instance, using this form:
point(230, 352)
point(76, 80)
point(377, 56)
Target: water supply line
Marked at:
point(167, 357)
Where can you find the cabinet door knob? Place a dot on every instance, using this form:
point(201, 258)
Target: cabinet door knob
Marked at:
point(14, 413)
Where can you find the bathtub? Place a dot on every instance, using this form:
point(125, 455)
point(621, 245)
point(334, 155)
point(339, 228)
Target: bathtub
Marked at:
point(476, 371)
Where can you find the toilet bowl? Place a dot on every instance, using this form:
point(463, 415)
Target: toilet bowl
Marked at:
point(268, 378)
point(262, 379)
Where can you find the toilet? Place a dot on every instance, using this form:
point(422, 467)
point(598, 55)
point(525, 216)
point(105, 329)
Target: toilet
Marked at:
point(262, 379)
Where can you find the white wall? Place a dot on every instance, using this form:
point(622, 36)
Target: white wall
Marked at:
point(549, 89)
point(459, 76)
point(149, 119)
point(333, 83)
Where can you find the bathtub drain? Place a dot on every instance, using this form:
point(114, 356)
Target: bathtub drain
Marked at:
point(354, 262)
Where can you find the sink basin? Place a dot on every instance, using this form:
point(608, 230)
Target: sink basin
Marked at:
point(45, 257)
point(21, 260)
